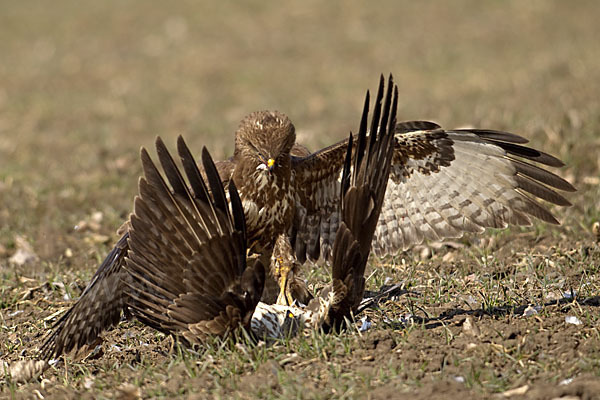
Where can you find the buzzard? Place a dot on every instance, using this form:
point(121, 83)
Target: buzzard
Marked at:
point(442, 183)
point(187, 272)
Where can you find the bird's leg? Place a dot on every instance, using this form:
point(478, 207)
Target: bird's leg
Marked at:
point(285, 274)
point(271, 288)
point(283, 264)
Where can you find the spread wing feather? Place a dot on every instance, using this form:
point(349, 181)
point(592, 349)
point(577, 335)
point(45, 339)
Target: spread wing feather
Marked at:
point(187, 266)
point(99, 307)
point(441, 185)
point(363, 185)
point(445, 183)
point(180, 267)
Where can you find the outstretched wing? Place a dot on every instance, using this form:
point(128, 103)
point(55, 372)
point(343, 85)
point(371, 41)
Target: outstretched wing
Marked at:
point(99, 307)
point(187, 272)
point(363, 186)
point(442, 184)
point(445, 183)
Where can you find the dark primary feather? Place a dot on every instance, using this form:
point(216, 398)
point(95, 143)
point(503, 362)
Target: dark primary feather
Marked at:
point(442, 184)
point(98, 308)
point(215, 183)
point(185, 271)
point(495, 135)
point(445, 183)
point(362, 194)
point(187, 266)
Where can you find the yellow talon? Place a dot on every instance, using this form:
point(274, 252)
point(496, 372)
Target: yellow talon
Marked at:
point(270, 163)
point(283, 272)
point(283, 296)
point(284, 264)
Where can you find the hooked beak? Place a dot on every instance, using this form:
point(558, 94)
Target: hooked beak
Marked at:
point(268, 165)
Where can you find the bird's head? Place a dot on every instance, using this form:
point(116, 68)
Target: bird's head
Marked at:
point(264, 139)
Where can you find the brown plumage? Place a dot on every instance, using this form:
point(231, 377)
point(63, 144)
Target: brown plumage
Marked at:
point(441, 184)
point(362, 192)
point(99, 307)
point(267, 196)
point(286, 270)
point(186, 271)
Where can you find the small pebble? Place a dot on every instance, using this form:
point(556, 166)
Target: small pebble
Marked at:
point(530, 311)
point(470, 328)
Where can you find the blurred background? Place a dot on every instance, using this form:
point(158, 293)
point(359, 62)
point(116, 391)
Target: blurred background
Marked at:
point(84, 84)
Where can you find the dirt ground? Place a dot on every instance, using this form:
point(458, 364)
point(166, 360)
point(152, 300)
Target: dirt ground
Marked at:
point(509, 314)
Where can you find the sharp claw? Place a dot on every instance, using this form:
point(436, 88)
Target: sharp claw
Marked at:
point(283, 267)
point(283, 295)
point(289, 297)
point(282, 299)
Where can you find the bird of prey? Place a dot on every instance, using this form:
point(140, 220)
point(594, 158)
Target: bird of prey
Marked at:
point(187, 273)
point(442, 184)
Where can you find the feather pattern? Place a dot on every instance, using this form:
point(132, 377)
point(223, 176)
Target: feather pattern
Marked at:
point(363, 187)
point(99, 307)
point(186, 242)
point(187, 252)
point(442, 184)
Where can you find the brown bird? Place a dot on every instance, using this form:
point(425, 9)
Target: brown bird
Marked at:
point(362, 191)
point(442, 184)
point(186, 271)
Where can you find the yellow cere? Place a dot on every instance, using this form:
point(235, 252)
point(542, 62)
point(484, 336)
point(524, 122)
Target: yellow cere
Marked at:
point(270, 162)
